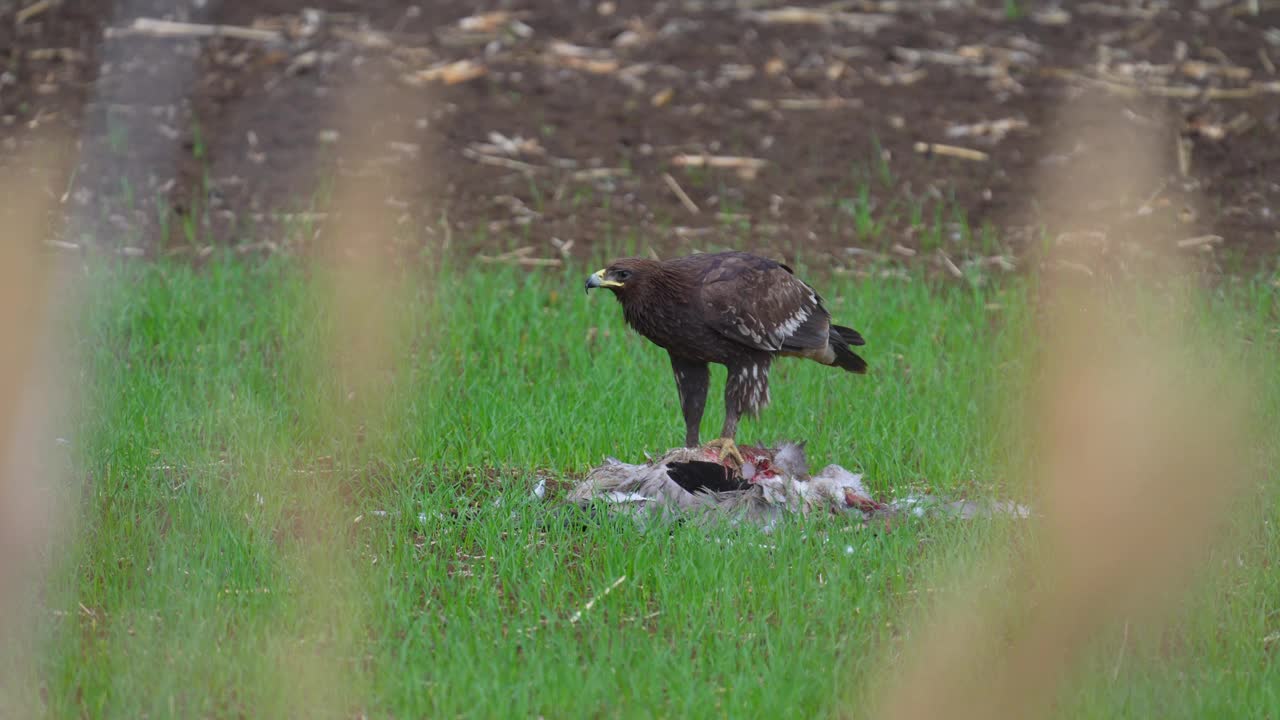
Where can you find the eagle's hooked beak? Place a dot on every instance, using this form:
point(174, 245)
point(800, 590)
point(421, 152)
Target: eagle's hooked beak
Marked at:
point(596, 280)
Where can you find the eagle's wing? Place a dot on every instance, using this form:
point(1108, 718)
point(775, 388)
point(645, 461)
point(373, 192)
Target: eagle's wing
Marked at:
point(760, 304)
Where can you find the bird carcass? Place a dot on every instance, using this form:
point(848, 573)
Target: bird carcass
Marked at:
point(696, 482)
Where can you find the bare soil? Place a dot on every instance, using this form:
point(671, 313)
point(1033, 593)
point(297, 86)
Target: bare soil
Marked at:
point(546, 128)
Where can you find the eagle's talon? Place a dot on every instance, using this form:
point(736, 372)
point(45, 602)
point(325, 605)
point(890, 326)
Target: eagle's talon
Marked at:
point(728, 449)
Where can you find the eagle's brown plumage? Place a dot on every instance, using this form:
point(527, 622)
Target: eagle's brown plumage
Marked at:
point(732, 308)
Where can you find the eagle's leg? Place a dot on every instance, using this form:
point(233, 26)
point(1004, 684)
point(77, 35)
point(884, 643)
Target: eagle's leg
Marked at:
point(746, 390)
point(692, 380)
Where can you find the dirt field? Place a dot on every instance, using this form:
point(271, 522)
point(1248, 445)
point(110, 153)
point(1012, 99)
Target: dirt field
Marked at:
point(555, 125)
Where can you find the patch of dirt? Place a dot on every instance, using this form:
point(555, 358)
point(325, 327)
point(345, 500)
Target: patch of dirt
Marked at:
point(541, 128)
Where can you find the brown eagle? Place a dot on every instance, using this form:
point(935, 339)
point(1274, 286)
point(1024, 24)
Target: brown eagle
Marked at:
point(732, 308)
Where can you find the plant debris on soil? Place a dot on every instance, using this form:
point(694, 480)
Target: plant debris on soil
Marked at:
point(870, 131)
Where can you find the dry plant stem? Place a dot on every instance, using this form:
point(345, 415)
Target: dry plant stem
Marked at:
point(25, 488)
point(597, 598)
point(168, 28)
point(452, 73)
point(34, 9)
point(501, 161)
point(685, 200)
point(360, 288)
point(746, 167)
point(1129, 425)
point(951, 151)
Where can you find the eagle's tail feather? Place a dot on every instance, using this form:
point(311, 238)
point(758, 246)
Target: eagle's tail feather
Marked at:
point(845, 358)
point(849, 335)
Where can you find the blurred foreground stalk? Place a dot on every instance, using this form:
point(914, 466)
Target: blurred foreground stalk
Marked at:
point(1139, 437)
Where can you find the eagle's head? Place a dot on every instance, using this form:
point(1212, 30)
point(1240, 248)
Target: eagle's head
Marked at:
point(624, 276)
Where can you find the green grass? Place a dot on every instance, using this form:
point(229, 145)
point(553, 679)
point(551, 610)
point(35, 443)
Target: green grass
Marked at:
point(247, 516)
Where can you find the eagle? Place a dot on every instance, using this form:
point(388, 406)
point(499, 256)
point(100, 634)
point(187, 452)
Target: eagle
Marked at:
point(733, 308)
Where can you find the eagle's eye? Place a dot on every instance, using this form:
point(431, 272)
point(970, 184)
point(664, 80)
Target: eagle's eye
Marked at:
point(623, 274)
